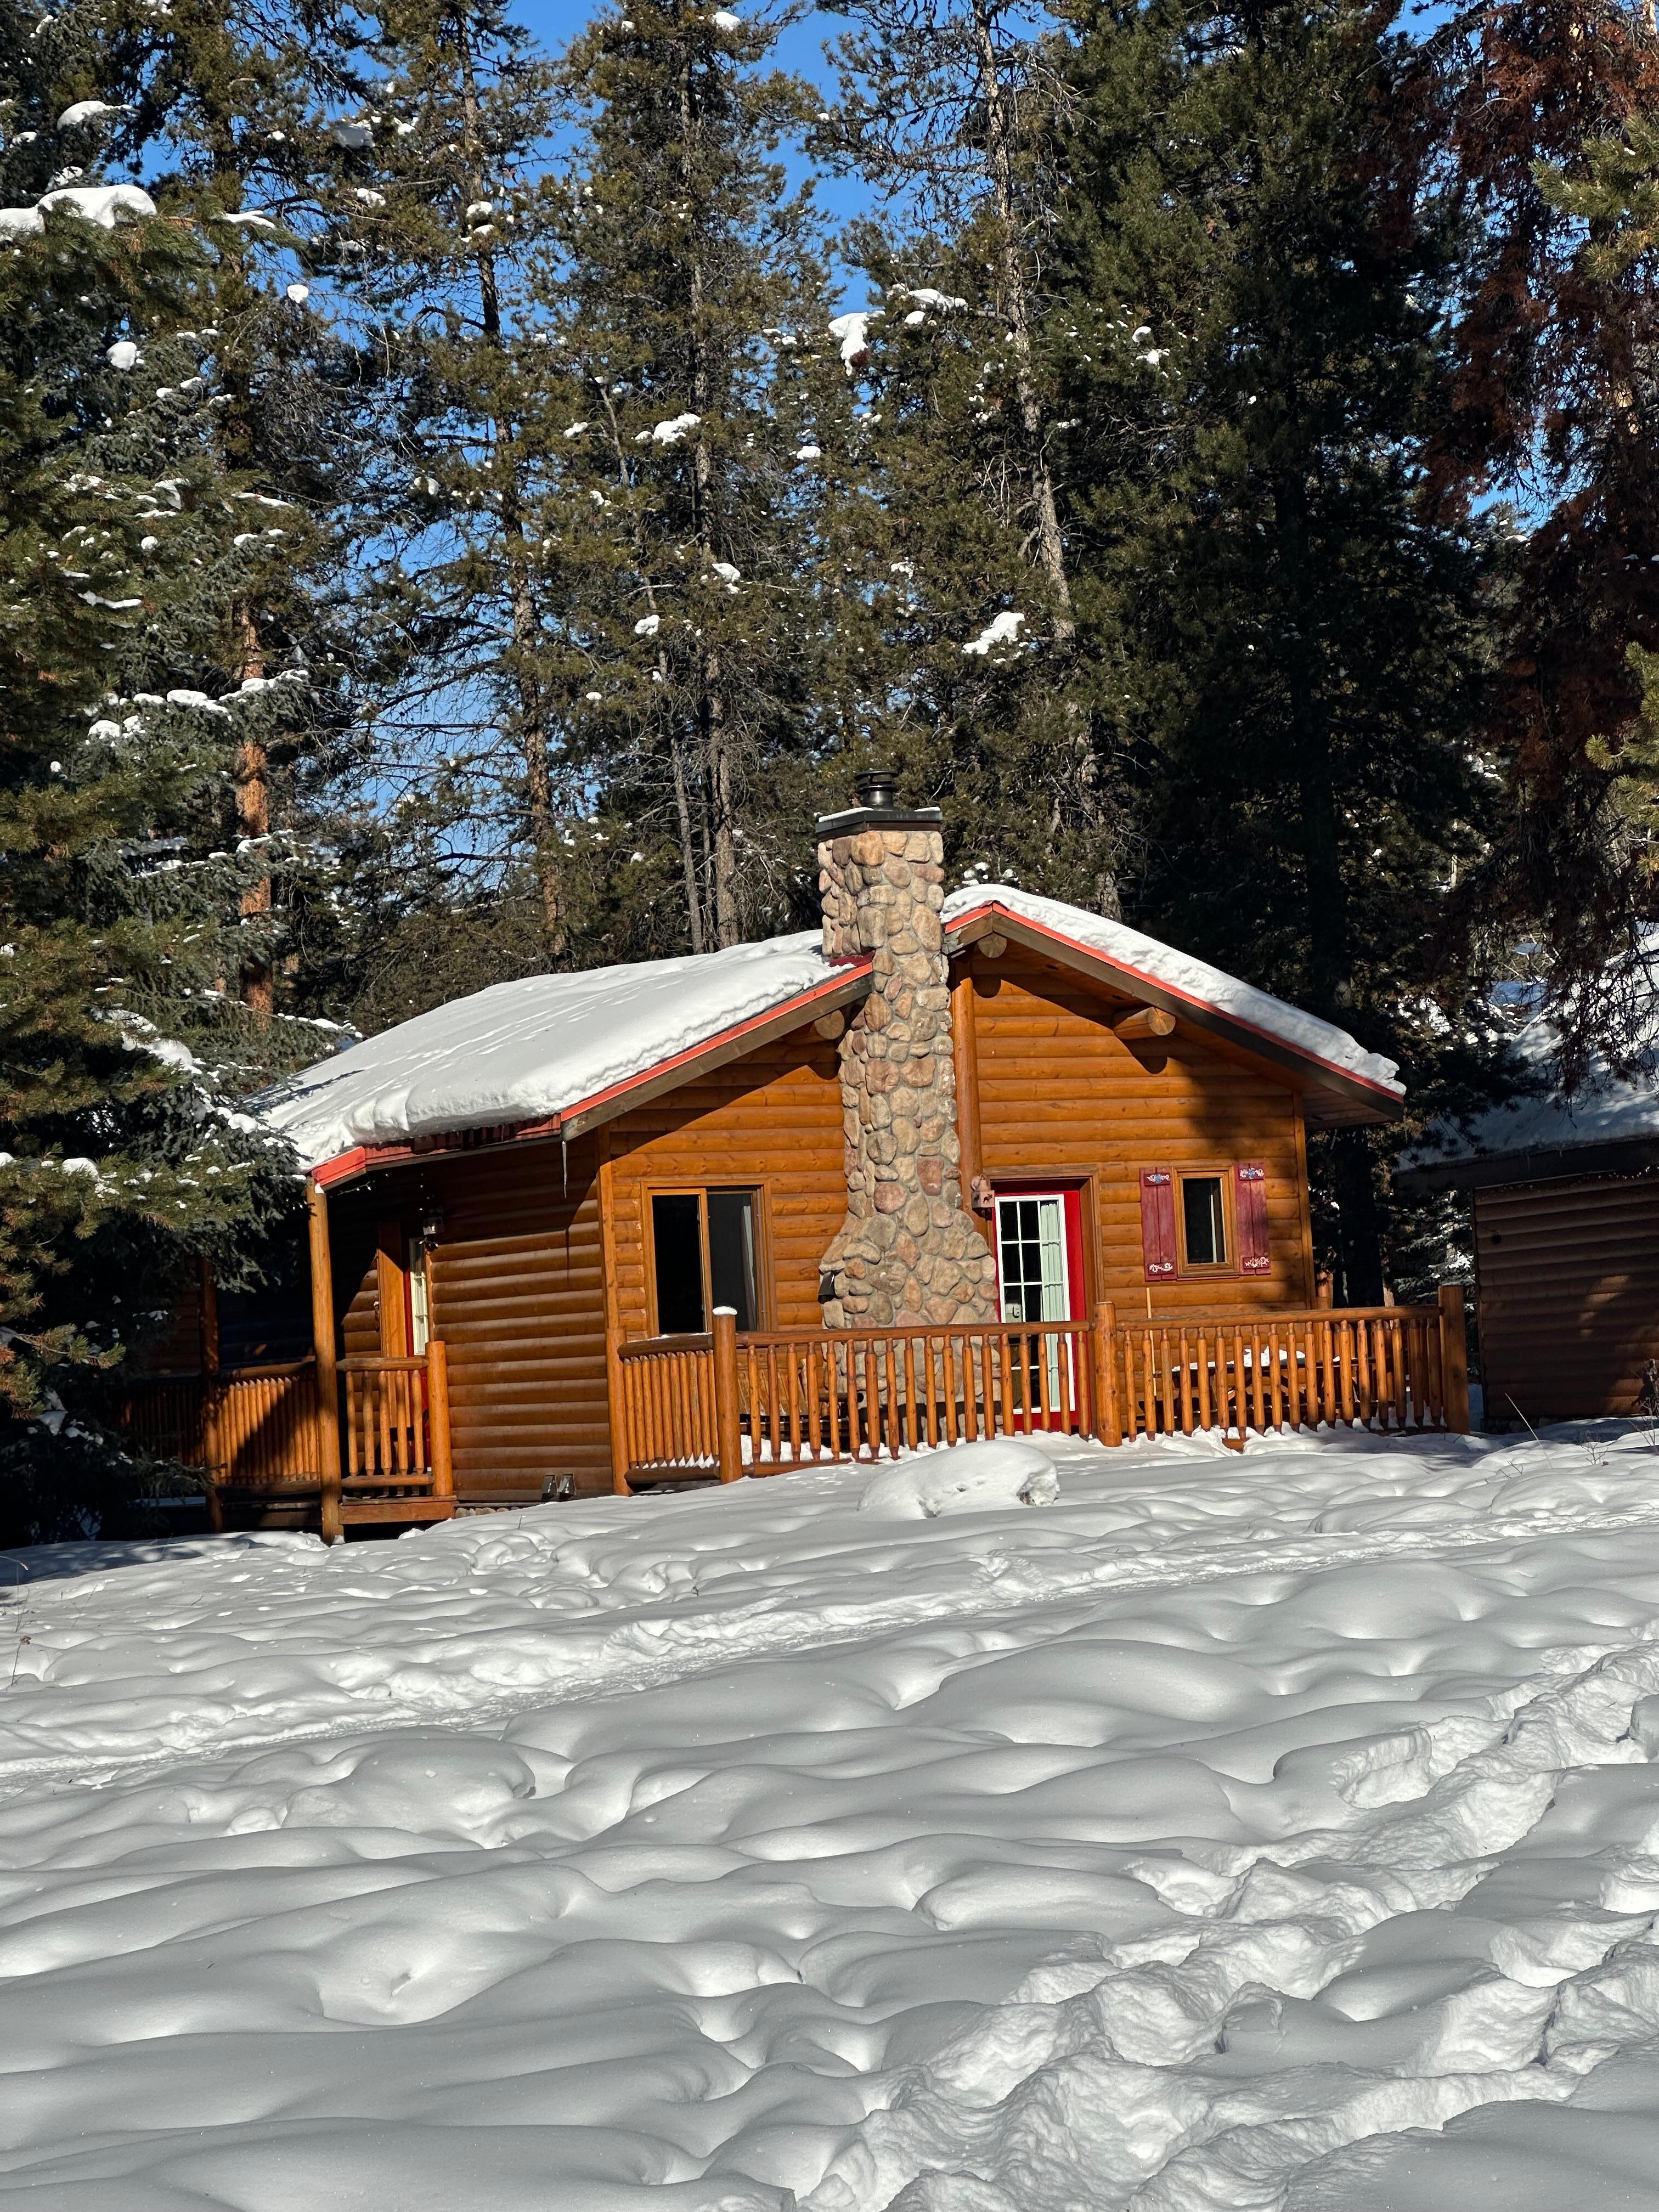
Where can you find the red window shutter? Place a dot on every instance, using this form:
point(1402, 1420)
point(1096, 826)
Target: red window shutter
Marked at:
point(1251, 1209)
point(1157, 1224)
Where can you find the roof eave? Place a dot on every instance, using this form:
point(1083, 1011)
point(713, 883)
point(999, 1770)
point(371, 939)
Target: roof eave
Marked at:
point(1614, 1155)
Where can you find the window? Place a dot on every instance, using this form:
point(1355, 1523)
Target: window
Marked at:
point(1212, 1222)
point(1204, 1221)
point(419, 1294)
point(704, 1254)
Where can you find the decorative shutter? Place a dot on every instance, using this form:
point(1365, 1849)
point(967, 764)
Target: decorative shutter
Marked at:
point(1250, 1211)
point(1157, 1224)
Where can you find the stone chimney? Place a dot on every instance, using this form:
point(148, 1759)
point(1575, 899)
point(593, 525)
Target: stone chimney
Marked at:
point(908, 1250)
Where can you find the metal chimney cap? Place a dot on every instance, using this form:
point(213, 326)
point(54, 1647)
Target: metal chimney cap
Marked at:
point(876, 787)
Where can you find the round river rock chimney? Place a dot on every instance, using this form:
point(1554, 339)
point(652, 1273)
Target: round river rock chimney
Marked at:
point(908, 1250)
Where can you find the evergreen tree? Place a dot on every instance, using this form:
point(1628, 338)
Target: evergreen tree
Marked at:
point(125, 550)
point(1548, 402)
point(946, 109)
point(1257, 298)
point(701, 453)
point(254, 125)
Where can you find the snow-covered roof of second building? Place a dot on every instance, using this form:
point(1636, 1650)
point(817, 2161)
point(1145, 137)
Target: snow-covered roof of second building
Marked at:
point(538, 1048)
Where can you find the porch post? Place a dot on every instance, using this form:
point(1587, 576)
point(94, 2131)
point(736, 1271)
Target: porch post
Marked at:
point(1454, 1358)
point(728, 1432)
point(1103, 1344)
point(322, 1339)
point(437, 1407)
point(621, 1434)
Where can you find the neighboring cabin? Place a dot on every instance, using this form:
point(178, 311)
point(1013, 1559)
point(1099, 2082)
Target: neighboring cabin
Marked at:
point(1565, 1203)
point(941, 1110)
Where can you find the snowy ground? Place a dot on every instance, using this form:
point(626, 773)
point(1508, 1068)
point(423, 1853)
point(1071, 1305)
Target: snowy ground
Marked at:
point(1280, 1831)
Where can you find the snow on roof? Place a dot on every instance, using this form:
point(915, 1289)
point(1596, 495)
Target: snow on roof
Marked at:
point(529, 1051)
point(1610, 1111)
point(536, 1049)
point(1191, 978)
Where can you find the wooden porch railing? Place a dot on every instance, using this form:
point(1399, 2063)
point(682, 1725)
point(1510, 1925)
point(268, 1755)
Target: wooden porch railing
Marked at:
point(812, 1398)
point(256, 1433)
point(394, 1430)
point(1377, 1367)
point(685, 1407)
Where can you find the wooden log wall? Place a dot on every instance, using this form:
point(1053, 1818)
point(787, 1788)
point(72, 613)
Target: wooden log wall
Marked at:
point(517, 1281)
point(1569, 1296)
point(771, 1122)
point(1062, 1095)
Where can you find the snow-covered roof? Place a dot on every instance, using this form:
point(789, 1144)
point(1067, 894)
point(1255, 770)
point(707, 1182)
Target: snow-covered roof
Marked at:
point(551, 1050)
point(1540, 1121)
point(533, 1049)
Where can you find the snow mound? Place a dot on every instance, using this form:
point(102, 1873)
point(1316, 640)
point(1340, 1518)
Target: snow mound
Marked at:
point(744, 1849)
point(968, 1479)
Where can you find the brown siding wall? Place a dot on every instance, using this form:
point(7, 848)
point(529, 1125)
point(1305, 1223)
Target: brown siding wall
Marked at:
point(1569, 1295)
point(1060, 1095)
point(770, 1122)
point(517, 1295)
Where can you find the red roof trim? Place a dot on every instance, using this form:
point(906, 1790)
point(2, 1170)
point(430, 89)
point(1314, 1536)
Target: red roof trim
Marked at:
point(1175, 991)
point(362, 1158)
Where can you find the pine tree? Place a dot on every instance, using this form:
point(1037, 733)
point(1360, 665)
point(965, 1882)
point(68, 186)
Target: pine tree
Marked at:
point(1257, 296)
point(123, 550)
point(1548, 404)
point(701, 449)
point(947, 112)
point(251, 124)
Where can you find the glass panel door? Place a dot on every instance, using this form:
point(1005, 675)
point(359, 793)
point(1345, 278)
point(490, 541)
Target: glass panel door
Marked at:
point(1031, 1262)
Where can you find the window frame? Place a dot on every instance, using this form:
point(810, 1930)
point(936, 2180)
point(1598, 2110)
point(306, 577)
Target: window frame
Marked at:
point(1199, 1269)
point(758, 1193)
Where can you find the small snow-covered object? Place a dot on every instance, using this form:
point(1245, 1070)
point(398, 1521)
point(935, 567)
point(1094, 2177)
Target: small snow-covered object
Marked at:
point(852, 333)
point(1001, 629)
point(809, 452)
point(299, 293)
point(724, 19)
point(86, 111)
point(925, 296)
point(121, 354)
point(670, 433)
point(726, 572)
point(353, 136)
point(647, 626)
point(103, 204)
point(978, 1477)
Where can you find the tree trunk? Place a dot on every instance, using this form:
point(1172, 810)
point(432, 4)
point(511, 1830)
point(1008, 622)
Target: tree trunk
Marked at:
point(1327, 920)
point(257, 989)
point(546, 851)
point(713, 722)
point(999, 151)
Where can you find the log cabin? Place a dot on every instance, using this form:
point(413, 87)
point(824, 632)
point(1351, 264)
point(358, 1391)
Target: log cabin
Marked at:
point(1564, 1216)
point(948, 1166)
